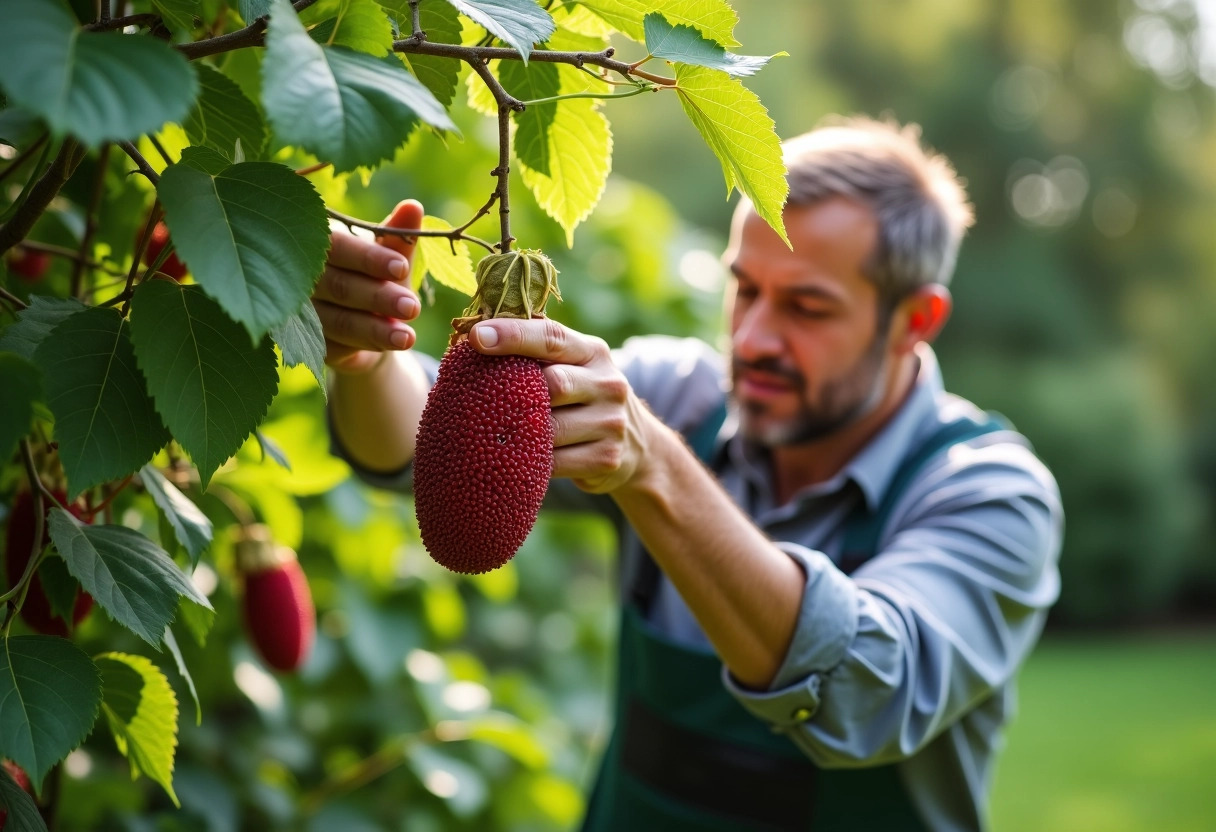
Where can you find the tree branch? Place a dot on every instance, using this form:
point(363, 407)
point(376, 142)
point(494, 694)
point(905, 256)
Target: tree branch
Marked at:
point(40, 196)
point(23, 156)
point(70, 254)
point(385, 231)
point(252, 35)
point(140, 162)
point(11, 299)
point(473, 54)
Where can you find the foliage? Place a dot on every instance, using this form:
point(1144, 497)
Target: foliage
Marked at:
point(175, 411)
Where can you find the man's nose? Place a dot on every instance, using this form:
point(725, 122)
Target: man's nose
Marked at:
point(756, 334)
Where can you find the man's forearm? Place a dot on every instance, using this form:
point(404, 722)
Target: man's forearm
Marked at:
point(375, 414)
point(744, 591)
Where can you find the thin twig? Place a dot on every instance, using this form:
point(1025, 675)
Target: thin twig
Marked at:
point(137, 256)
point(21, 157)
point(90, 220)
point(103, 15)
point(160, 148)
point(70, 254)
point(503, 172)
point(41, 194)
point(252, 35)
point(110, 24)
point(416, 22)
point(386, 231)
point(470, 54)
point(313, 168)
point(140, 162)
point(11, 299)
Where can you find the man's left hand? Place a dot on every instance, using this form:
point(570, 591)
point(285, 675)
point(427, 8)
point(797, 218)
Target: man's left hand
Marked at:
point(599, 425)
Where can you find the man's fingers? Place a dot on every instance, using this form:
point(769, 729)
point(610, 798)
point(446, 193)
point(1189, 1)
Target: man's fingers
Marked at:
point(362, 330)
point(407, 214)
point(541, 338)
point(355, 291)
point(356, 254)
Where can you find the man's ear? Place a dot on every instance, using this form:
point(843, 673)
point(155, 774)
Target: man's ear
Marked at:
point(921, 316)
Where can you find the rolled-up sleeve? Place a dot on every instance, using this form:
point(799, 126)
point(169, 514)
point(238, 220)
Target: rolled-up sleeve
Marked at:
point(883, 661)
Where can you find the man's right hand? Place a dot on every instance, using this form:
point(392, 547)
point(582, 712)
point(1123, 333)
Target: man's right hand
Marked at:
point(364, 297)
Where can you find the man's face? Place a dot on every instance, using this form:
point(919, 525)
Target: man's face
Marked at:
point(807, 356)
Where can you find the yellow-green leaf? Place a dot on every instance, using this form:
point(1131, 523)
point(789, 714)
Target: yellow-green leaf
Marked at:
point(737, 127)
point(713, 18)
point(141, 710)
point(434, 256)
point(580, 157)
point(581, 21)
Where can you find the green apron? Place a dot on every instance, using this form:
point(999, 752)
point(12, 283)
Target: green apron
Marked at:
point(685, 756)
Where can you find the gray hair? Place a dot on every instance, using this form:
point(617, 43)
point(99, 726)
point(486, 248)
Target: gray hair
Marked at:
point(917, 198)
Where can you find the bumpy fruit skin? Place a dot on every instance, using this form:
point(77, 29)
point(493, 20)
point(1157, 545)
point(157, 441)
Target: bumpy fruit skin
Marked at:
point(21, 779)
point(173, 267)
point(19, 546)
point(30, 265)
point(280, 618)
point(483, 458)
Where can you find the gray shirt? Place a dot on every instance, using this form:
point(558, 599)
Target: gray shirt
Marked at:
point(911, 659)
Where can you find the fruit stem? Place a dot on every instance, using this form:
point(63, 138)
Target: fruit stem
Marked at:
point(11, 299)
point(138, 255)
point(638, 90)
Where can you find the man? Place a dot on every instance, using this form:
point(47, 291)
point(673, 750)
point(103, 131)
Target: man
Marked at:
point(848, 585)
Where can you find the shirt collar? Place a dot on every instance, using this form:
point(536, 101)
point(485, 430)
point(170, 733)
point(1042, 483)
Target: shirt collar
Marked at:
point(874, 465)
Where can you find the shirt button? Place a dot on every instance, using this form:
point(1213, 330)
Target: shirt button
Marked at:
point(802, 714)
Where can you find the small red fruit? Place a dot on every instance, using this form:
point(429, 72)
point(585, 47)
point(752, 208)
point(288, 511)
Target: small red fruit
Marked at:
point(484, 452)
point(19, 546)
point(173, 267)
point(21, 779)
point(30, 265)
point(279, 615)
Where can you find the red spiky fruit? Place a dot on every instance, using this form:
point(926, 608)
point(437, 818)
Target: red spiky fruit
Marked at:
point(173, 267)
point(280, 619)
point(19, 546)
point(21, 779)
point(29, 265)
point(483, 458)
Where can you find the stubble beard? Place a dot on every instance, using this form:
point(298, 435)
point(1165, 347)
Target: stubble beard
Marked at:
point(840, 403)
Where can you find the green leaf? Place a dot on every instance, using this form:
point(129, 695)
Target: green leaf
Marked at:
point(271, 449)
point(510, 735)
point(434, 256)
point(223, 115)
point(471, 792)
point(739, 131)
point(130, 577)
point(530, 83)
point(197, 619)
point(441, 22)
point(685, 44)
point(580, 157)
point(22, 811)
point(713, 18)
point(519, 23)
point(59, 587)
point(20, 127)
point(302, 341)
point(49, 695)
point(105, 422)
point(35, 322)
point(178, 15)
point(253, 234)
point(141, 710)
point(180, 661)
point(345, 107)
point(359, 24)
point(22, 386)
point(97, 86)
point(251, 10)
point(190, 526)
point(210, 385)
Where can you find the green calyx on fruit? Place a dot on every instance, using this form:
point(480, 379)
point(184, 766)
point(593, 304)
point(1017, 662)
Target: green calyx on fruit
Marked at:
point(516, 284)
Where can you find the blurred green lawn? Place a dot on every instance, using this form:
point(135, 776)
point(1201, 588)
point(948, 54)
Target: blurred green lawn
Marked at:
point(1116, 734)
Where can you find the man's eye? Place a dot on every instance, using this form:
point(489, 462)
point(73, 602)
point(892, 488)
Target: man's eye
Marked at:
point(814, 313)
